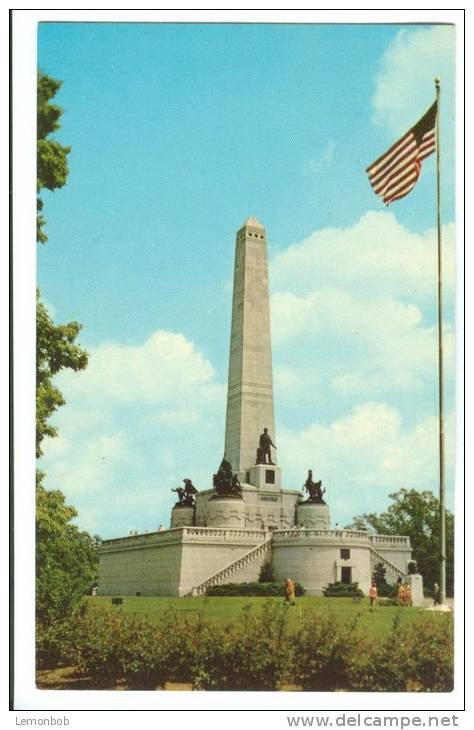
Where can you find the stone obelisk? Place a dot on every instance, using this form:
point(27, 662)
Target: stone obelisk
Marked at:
point(250, 387)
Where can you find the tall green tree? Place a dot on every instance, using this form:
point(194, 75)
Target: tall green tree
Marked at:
point(56, 346)
point(52, 165)
point(416, 514)
point(55, 350)
point(66, 558)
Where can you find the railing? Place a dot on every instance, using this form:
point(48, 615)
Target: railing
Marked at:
point(309, 533)
point(391, 567)
point(228, 533)
point(390, 540)
point(231, 568)
point(194, 533)
point(142, 538)
point(231, 534)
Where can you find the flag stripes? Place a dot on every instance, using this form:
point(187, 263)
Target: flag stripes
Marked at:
point(395, 173)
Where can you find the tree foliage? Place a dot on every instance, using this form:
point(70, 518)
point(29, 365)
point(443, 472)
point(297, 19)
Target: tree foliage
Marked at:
point(416, 514)
point(379, 574)
point(55, 350)
point(66, 558)
point(55, 344)
point(52, 166)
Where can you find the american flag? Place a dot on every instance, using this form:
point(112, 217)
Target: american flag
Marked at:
point(395, 173)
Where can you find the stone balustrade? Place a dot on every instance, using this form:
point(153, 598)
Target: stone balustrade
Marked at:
point(181, 533)
point(143, 538)
point(225, 533)
point(305, 533)
point(196, 534)
point(393, 570)
point(390, 541)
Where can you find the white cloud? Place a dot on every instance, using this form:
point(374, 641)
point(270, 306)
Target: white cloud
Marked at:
point(405, 81)
point(364, 456)
point(138, 420)
point(355, 341)
point(167, 367)
point(376, 256)
point(354, 318)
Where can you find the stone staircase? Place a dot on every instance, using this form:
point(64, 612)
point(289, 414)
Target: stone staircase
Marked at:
point(391, 568)
point(249, 557)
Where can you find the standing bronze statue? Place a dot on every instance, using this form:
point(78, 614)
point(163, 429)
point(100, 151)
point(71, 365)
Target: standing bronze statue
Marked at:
point(314, 489)
point(264, 451)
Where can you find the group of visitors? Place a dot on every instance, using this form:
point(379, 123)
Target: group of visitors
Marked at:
point(404, 593)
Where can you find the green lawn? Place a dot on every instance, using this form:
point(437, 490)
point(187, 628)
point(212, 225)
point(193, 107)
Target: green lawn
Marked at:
point(226, 610)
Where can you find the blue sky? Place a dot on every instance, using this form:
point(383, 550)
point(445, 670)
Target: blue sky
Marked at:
point(178, 134)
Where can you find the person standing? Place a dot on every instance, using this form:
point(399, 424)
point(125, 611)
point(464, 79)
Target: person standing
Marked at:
point(289, 591)
point(401, 594)
point(373, 595)
point(436, 595)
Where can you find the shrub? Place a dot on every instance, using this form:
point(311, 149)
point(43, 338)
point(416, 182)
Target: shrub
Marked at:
point(267, 574)
point(111, 647)
point(102, 644)
point(256, 653)
point(343, 590)
point(252, 655)
point(386, 590)
point(323, 649)
point(417, 657)
point(252, 589)
point(433, 654)
point(53, 643)
point(191, 649)
point(381, 666)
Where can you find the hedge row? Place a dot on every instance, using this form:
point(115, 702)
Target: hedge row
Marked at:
point(256, 653)
point(252, 589)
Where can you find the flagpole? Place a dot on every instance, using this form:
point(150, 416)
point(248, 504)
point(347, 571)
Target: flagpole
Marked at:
point(442, 509)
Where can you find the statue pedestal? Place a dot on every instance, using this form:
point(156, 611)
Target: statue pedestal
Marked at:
point(415, 580)
point(226, 512)
point(265, 476)
point(182, 516)
point(313, 515)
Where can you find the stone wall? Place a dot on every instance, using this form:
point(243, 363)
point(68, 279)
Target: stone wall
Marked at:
point(150, 570)
point(173, 562)
point(264, 508)
point(314, 558)
point(201, 561)
point(314, 566)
